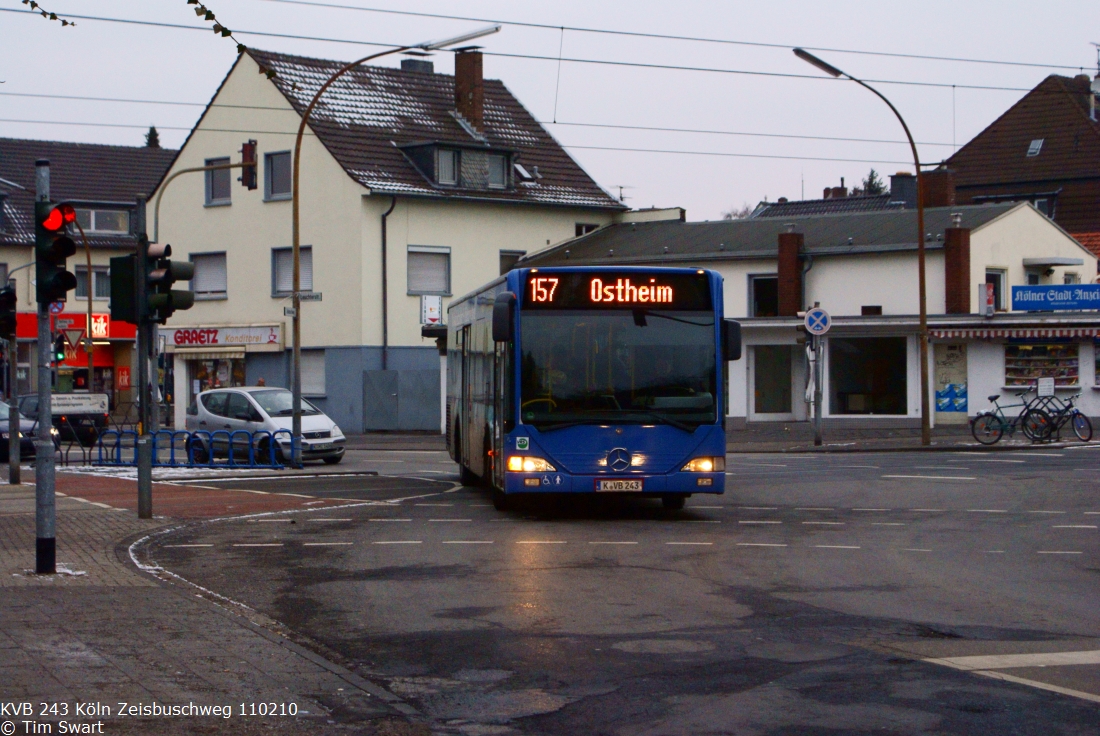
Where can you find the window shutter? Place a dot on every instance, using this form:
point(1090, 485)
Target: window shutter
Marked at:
point(313, 372)
point(428, 272)
point(284, 269)
point(210, 274)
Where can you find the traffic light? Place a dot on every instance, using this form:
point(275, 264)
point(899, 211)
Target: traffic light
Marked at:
point(8, 303)
point(248, 172)
point(52, 248)
point(124, 305)
point(161, 275)
point(59, 349)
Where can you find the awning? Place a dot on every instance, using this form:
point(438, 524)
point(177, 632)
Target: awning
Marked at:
point(231, 353)
point(1040, 333)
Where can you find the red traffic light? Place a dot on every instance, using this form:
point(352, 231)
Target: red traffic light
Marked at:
point(59, 217)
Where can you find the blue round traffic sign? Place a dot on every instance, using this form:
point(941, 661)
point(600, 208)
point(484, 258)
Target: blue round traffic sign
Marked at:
point(817, 321)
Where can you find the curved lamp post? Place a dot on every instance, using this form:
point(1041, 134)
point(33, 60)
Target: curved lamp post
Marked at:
point(925, 424)
point(296, 427)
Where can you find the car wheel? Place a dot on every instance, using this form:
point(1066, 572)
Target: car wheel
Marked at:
point(333, 460)
point(673, 503)
point(501, 502)
point(199, 453)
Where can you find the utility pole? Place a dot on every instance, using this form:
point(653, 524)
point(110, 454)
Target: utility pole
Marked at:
point(45, 510)
point(15, 436)
point(144, 449)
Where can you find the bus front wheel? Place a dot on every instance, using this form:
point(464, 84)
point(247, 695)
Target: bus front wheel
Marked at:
point(465, 476)
point(673, 503)
point(500, 500)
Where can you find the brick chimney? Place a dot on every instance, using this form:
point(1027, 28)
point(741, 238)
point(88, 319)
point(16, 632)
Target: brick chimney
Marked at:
point(790, 274)
point(956, 267)
point(470, 88)
point(836, 192)
point(938, 188)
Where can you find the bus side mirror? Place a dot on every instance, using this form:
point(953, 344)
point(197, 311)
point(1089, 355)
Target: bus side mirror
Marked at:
point(504, 317)
point(731, 340)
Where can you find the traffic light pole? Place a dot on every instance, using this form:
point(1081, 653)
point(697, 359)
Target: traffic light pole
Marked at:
point(45, 511)
point(14, 434)
point(144, 449)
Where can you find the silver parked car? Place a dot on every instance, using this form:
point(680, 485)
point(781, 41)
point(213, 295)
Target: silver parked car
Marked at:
point(260, 409)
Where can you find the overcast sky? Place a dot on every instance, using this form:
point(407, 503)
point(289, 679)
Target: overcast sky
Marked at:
point(141, 62)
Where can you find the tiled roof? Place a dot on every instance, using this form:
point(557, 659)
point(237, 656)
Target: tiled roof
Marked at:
point(370, 111)
point(1089, 240)
point(1057, 112)
point(81, 172)
point(834, 205)
point(676, 242)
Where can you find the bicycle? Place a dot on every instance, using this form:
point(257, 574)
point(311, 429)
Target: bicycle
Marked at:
point(1066, 412)
point(989, 427)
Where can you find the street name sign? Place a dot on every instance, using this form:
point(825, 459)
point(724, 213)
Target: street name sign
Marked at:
point(309, 296)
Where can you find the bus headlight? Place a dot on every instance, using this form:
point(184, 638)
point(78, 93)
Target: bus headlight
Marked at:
point(705, 465)
point(518, 463)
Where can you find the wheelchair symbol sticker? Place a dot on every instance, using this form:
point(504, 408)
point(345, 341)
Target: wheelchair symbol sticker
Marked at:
point(546, 480)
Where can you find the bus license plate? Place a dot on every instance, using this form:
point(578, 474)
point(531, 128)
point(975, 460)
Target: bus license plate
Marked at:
point(618, 485)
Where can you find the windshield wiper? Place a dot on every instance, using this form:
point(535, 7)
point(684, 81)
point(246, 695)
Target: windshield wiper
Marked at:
point(665, 419)
point(559, 425)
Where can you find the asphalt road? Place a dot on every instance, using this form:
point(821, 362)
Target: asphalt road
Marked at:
point(806, 600)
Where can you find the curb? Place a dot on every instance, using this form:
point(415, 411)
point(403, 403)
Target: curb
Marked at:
point(975, 448)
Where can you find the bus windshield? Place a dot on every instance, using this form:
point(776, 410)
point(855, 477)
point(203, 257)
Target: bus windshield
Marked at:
point(629, 366)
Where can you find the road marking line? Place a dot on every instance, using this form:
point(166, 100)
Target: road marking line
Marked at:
point(887, 523)
point(329, 519)
point(377, 519)
point(1045, 454)
point(871, 509)
point(479, 504)
point(690, 544)
point(1036, 684)
point(984, 460)
point(814, 508)
point(1058, 552)
point(936, 510)
point(1074, 526)
point(327, 544)
point(1092, 513)
point(1012, 661)
point(834, 546)
point(274, 544)
point(706, 507)
point(467, 541)
point(987, 511)
point(433, 504)
point(872, 467)
point(699, 521)
point(758, 544)
point(312, 503)
point(911, 549)
point(540, 541)
point(1046, 512)
point(450, 519)
point(932, 477)
point(759, 508)
point(270, 521)
point(939, 467)
point(188, 545)
point(400, 542)
point(994, 551)
point(824, 523)
point(612, 542)
point(759, 522)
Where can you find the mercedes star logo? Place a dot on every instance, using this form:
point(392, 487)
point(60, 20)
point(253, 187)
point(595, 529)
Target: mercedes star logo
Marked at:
point(618, 459)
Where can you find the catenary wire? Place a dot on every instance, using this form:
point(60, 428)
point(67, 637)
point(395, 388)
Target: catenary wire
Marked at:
point(670, 37)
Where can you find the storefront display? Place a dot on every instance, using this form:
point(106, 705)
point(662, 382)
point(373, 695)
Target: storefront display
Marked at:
point(1027, 362)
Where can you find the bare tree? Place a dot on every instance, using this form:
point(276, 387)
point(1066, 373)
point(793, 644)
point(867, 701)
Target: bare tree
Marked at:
point(738, 213)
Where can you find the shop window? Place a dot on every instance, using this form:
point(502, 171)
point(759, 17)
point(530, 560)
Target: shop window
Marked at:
point(996, 277)
point(282, 270)
point(210, 280)
point(429, 270)
point(217, 183)
point(867, 375)
point(277, 175)
point(508, 259)
point(772, 379)
point(764, 296)
point(1026, 363)
point(313, 372)
point(101, 279)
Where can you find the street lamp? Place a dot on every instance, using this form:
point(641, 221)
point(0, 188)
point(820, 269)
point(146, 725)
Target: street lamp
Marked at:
point(296, 388)
point(925, 426)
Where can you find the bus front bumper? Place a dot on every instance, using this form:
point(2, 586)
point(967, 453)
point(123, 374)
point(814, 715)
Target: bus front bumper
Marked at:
point(556, 482)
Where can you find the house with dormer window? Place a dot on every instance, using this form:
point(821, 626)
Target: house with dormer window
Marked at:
point(416, 187)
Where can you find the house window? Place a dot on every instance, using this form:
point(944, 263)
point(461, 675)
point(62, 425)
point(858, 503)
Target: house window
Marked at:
point(3, 274)
point(498, 172)
point(867, 375)
point(446, 167)
point(1071, 278)
point(772, 379)
point(429, 270)
point(1035, 147)
point(1026, 363)
point(1033, 278)
point(277, 175)
point(508, 259)
point(1043, 205)
point(282, 270)
point(102, 283)
point(313, 372)
point(764, 296)
point(996, 278)
point(104, 221)
point(583, 228)
point(217, 183)
point(210, 280)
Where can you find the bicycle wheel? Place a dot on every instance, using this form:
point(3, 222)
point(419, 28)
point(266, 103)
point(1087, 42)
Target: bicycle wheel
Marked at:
point(1082, 427)
point(1037, 425)
point(987, 429)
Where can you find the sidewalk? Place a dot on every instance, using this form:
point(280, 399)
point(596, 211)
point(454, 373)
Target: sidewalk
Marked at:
point(102, 632)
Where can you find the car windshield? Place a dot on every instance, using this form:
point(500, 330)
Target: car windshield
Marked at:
point(278, 402)
point(627, 366)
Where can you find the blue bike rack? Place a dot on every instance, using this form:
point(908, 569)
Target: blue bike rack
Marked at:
point(110, 447)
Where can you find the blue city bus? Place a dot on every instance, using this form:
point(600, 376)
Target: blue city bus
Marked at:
point(591, 380)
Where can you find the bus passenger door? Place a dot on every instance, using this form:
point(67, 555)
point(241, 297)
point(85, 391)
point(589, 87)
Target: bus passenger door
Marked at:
point(501, 387)
point(466, 401)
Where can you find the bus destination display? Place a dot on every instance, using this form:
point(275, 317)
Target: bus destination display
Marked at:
point(608, 289)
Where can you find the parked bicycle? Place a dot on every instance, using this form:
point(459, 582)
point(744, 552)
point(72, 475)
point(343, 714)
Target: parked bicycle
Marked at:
point(988, 427)
point(1063, 412)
